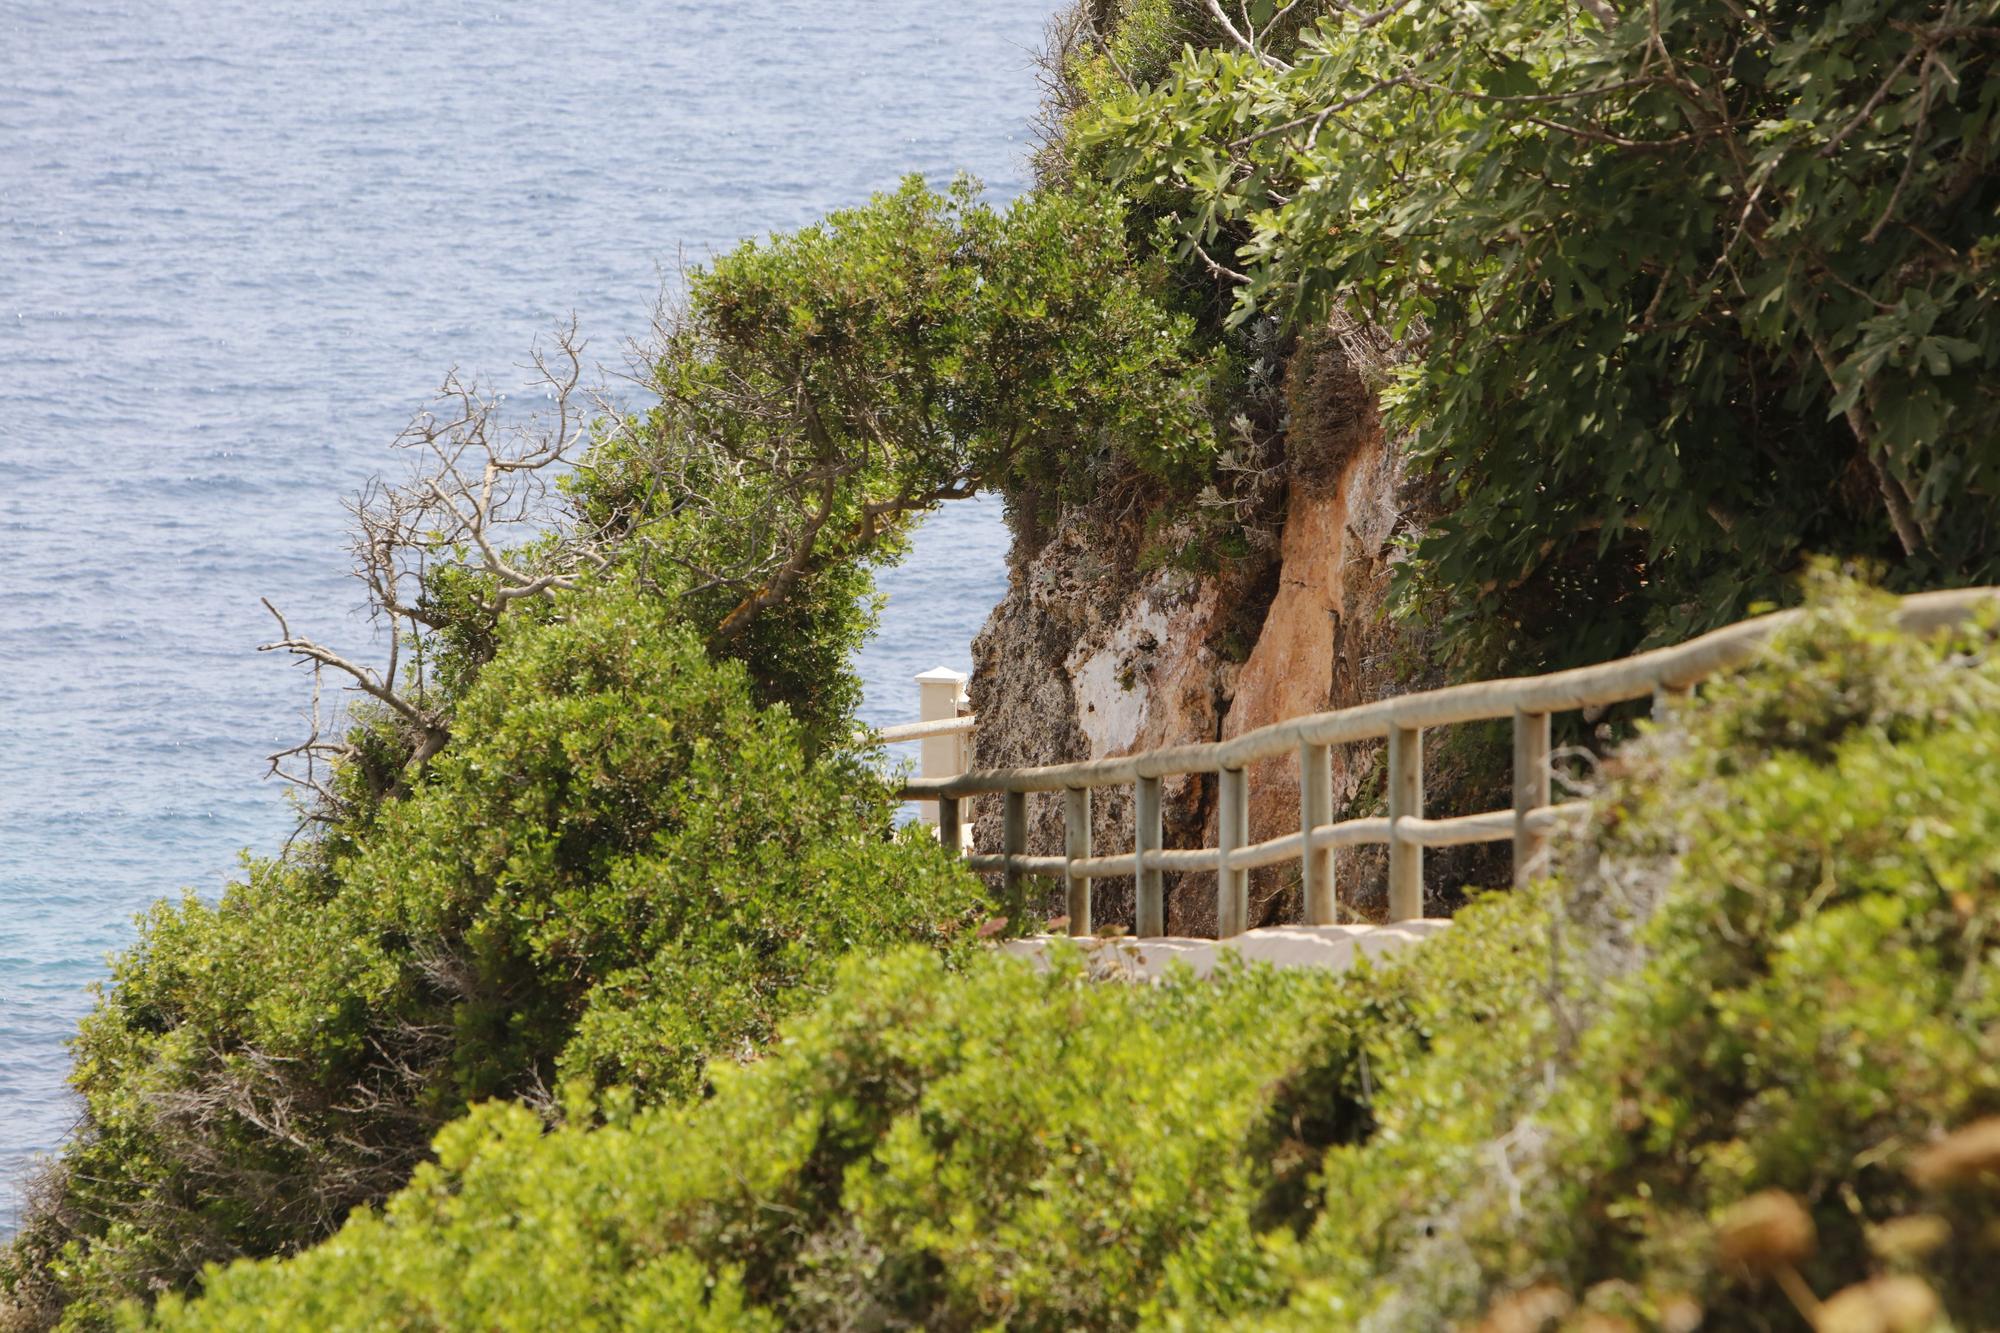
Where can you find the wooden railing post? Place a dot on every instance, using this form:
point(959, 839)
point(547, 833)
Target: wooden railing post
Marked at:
point(1013, 842)
point(1232, 884)
point(1531, 790)
point(1406, 800)
point(1076, 847)
point(1149, 888)
point(1316, 808)
point(950, 828)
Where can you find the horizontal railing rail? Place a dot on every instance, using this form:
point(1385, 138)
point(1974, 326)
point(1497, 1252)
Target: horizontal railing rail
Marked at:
point(1529, 701)
point(923, 731)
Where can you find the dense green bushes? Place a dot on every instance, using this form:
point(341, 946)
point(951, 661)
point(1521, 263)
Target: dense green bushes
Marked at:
point(821, 390)
point(1770, 968)
point(1037, 1151)
point(1777, 973)
point(1681, 301)
point(620, 868)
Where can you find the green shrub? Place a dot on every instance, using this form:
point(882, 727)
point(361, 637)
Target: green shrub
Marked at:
point(620, 869)
point(1770, 967)
point(1775, 973)
point(998, 1147)
point(591, 853)
point(899, 354)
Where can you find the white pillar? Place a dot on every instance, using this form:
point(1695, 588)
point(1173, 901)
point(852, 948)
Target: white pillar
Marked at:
point(940, 696)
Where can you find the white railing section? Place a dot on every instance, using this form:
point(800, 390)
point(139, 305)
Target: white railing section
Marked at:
point(1528, 701)
point(945, 729)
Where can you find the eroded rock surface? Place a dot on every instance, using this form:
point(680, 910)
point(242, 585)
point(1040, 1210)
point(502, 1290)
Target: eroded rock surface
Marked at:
point(1093, 655)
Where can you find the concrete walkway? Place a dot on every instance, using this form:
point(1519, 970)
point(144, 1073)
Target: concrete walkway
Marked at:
point(1333, 947)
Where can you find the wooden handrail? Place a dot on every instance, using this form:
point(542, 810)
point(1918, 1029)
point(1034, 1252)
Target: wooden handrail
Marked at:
point(1527, 700)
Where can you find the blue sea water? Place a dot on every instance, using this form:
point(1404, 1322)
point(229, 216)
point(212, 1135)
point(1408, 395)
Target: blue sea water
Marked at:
point(240, 241)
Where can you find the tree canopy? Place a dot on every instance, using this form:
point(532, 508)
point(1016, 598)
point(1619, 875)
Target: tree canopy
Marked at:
point(1687, 289)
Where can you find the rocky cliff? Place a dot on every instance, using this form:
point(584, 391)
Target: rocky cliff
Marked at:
point(1102, 649)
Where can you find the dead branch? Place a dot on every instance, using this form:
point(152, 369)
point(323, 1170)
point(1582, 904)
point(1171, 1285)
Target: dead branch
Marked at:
point(473, 482)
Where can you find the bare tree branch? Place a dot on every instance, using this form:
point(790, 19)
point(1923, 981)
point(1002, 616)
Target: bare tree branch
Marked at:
point(1248, 41)
point(473, 480)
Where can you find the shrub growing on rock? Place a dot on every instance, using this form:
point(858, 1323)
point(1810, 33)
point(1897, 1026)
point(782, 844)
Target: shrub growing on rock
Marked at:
point(1687, 292)
point(1775, 976)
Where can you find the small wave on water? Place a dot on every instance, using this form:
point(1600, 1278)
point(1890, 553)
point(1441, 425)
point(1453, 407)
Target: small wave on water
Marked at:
point(240, 241)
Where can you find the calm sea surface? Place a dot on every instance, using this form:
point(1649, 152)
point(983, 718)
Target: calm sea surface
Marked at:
point(240, 242)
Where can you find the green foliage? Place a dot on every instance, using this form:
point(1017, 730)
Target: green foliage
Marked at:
point(1775, 972)
point(1769, 968)
point(962, 342)
point(627, 829)
point(1688, 296)
point(999, 1147)
point(838, 381)
point(1683, 300)
point(621, 869)
point(1125, 42)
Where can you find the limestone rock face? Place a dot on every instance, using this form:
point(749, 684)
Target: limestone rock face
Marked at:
point(1076, 663)
point(1323, 641)
point(1092, 655)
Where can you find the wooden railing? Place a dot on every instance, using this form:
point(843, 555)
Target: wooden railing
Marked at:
point(1529, 701)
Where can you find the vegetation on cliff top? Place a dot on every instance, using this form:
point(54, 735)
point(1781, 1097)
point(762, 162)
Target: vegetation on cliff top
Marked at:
point(606, 821)
point(1686, 292)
